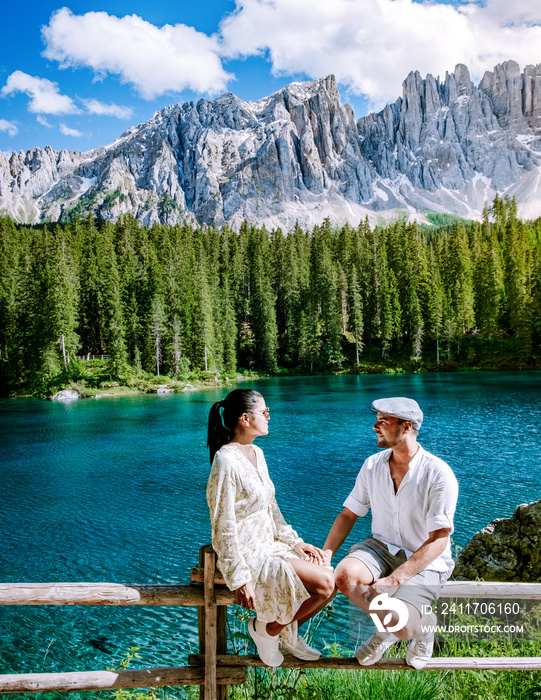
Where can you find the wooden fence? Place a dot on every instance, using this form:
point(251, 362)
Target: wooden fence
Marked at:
point(213, 669)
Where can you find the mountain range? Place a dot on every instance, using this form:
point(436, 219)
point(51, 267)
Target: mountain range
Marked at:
point(445, 146)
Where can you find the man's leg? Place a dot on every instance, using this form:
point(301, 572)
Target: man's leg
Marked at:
point(353, 576)
point(416, 625)
point(365, 563)
point(418, 594)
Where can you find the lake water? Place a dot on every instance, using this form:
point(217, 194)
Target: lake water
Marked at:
point(114, 490)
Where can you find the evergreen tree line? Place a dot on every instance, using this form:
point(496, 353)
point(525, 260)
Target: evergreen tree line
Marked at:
point(173, 299)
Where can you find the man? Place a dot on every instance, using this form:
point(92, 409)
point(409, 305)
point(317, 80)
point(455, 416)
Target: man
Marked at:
point(413, 496)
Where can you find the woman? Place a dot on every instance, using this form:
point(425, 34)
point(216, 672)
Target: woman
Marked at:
point(260, 556)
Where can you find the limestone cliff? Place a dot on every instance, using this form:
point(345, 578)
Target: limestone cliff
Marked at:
point(445, 145)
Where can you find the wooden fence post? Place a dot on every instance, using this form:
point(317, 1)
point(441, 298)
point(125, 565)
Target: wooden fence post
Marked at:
point(211, 619)
point(201, 621)
point(221, 643)
point(212, 628)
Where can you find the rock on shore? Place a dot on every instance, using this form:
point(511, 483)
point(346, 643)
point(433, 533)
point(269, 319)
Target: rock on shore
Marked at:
point(505, 550)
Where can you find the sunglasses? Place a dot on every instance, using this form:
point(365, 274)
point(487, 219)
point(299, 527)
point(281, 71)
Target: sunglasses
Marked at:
point(265, 412)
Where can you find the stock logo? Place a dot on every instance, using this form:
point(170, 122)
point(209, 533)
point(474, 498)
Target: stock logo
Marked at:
point(382, 603)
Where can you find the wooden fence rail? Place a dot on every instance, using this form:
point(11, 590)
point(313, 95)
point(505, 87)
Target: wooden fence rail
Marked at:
point(106, 594)
point(213, 669)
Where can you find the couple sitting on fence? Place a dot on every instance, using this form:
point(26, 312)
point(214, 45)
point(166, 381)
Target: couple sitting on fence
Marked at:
point(394, 575)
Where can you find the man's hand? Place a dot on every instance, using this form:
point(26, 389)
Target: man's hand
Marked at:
point(388, 585)
point(309, 552)
point(246, 595)
point(328, 554)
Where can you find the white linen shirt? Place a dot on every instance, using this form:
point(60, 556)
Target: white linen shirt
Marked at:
point(425, 501)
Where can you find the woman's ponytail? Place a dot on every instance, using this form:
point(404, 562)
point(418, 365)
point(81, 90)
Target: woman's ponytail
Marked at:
point(218, 433)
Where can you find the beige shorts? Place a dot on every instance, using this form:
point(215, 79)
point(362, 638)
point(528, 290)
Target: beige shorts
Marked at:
point(420, 590)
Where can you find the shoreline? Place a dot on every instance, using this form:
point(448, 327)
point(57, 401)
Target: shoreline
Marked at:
point(166, 385)
point(150, 387)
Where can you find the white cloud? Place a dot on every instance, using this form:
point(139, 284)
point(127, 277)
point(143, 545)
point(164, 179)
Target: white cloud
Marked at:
point(112, 110)
point(67, 131)
point(43, 121)
point(155, 60)
point(371, 45)
point(44, 94)
point(10, 127)
point(512, 13)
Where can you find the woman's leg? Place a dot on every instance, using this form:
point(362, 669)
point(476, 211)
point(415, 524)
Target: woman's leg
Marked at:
point(312, 613)
point(319, 582)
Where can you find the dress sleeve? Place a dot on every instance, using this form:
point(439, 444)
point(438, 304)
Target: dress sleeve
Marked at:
point(221, 496)
point(284, 532)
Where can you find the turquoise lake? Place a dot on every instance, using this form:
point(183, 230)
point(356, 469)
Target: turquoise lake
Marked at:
point(114, 490)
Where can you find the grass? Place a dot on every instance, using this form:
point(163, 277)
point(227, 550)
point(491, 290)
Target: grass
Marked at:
point(93, 379)
point(492, 685)
point(331, 684)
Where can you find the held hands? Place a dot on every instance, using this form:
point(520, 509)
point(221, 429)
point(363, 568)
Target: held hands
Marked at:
point(328, 554)
point(246, 595)
point(309, 552)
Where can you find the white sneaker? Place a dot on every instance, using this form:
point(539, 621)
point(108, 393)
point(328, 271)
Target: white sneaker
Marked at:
point(374, 648)
point(267, 646)
point(420, 650)
point(301, 650)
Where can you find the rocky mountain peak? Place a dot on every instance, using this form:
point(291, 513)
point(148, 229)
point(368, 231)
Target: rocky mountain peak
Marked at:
point(298, 154)
point(463, 82)
point(504, 87)
point(453, 136)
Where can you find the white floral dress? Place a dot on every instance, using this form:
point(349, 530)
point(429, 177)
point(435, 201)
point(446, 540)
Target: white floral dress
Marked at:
point(251, 538)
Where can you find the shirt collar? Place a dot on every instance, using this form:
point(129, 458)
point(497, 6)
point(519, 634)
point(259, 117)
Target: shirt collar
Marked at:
point(414, 461)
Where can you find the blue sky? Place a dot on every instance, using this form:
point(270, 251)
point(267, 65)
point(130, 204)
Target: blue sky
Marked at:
point(75, 76)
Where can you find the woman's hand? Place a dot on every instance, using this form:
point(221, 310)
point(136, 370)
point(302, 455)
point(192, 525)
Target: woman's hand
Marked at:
point(246, 595)
point(309, 552)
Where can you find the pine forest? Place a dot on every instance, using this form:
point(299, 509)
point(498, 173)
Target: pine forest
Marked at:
point(182, 300)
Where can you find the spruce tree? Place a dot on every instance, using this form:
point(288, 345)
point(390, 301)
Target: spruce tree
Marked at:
point(203, 352)
point(59, 296)
point(157, 331)
point(460, 281)
point(519, 286)
point(489, 285)
point(111, 302)
point(263, 303)
point(356, 313)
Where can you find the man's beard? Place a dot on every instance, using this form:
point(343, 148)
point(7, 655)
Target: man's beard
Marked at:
point(388, 442)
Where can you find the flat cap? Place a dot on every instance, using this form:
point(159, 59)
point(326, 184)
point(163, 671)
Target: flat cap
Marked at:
point(400, 407)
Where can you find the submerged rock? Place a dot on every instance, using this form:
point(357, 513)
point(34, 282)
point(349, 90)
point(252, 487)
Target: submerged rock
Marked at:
point(65, 395)
point(164, 389)
point(505, 550)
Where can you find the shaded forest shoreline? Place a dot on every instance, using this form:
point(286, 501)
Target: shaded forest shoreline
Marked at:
point(180, 305)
